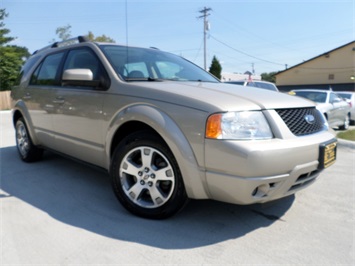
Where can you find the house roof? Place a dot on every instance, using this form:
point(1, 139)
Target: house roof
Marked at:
point(338, 48)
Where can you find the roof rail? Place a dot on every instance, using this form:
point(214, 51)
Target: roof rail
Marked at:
point(70, 41)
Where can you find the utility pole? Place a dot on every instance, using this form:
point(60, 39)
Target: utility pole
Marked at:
point(205, 29)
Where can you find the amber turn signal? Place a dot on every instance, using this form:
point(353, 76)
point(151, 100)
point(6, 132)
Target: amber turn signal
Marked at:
point(213, 126)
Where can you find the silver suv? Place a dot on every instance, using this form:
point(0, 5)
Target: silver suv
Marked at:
point(164, 129)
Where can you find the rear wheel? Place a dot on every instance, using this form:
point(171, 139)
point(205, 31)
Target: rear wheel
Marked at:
point(146, 178)
point(27, 150)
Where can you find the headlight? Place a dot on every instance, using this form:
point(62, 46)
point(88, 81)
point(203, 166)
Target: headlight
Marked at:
point(238, 125)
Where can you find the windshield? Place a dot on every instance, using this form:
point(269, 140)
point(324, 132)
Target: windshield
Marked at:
point(319, 97)
point(140, 64)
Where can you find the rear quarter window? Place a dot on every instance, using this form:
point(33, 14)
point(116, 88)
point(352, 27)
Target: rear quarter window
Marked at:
point(26, 68)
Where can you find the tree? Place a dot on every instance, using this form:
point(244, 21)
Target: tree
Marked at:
point(269, 77)
point(11, 56)
point(3, 31)
point(102, 38)
point(216, 68)
point(64, 32)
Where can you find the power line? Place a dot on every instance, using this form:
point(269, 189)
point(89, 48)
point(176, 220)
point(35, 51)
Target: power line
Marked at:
point(244, 53)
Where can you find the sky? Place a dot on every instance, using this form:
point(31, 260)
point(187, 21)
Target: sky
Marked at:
point(244, 35)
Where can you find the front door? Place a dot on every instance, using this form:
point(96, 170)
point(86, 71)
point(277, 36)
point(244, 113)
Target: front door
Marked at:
point(79, 118)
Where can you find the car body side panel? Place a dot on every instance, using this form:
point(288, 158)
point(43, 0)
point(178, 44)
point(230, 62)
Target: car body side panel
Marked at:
point(19, 109)
point(37, 108)
point(77, 123)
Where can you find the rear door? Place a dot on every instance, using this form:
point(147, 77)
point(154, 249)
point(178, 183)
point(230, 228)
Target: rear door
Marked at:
point(39, 97)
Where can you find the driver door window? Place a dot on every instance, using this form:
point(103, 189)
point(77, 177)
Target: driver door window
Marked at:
point(83, 59)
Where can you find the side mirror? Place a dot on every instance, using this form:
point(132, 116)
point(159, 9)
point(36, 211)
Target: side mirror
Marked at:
point(79, 77)
point(336, 100)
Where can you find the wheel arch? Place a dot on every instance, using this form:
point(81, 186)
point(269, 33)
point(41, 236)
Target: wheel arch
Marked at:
point(16, 116)
point(145, 117)
point(19, 111)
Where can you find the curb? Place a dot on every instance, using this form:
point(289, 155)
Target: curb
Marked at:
point(346, 143)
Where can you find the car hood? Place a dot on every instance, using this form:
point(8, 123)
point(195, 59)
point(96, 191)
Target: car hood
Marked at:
point(224, 97)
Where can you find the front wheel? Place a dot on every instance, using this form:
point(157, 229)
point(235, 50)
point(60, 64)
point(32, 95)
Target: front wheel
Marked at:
point(146, 178)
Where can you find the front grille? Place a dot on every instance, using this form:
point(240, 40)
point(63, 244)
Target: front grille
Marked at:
point(296, 122)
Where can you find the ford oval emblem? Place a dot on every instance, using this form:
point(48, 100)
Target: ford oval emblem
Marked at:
point(309, 119)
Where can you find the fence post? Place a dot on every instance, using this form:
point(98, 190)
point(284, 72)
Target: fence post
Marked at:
point(5, 100)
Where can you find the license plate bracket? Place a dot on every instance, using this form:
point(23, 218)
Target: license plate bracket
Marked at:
point(327, 154)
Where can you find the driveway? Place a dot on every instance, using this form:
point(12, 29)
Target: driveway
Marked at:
point(60, 212)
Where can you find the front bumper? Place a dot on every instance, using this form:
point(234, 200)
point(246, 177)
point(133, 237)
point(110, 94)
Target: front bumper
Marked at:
point(247, 172)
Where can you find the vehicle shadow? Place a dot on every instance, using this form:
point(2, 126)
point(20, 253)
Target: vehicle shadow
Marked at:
point(81, 196)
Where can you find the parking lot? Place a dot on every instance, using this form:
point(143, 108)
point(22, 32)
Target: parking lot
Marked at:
point(60, 212)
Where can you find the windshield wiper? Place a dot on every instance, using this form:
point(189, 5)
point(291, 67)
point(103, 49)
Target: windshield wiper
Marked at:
point(143, 79)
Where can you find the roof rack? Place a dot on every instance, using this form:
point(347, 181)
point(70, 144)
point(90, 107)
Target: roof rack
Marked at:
point(70, 41)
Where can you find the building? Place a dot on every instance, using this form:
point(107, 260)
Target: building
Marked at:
point(334, 69)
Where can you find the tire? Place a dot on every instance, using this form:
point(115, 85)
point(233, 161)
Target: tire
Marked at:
point(27, 150)
point(146, 178)
point(346, 123)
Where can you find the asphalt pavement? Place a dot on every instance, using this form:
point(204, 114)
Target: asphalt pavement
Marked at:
point(60, 212)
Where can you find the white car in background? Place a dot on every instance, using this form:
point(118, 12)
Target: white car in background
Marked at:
point(350, 98)
point(335, 109)
point(255, 83)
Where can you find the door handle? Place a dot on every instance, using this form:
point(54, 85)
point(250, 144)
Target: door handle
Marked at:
point(59, 100)
point(27, 96)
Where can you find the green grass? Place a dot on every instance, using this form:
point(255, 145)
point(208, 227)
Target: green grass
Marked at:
point(348, 135)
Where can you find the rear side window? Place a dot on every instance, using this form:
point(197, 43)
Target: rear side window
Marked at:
point(345, 96)
point(46, 72)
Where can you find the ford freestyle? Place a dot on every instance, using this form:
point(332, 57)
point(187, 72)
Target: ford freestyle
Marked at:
point(164, 129)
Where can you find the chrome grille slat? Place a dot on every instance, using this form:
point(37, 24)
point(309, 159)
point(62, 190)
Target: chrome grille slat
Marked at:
point(296, 122)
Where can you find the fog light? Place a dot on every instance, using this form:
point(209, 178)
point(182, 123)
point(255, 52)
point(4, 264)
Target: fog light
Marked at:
point(261, 191)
